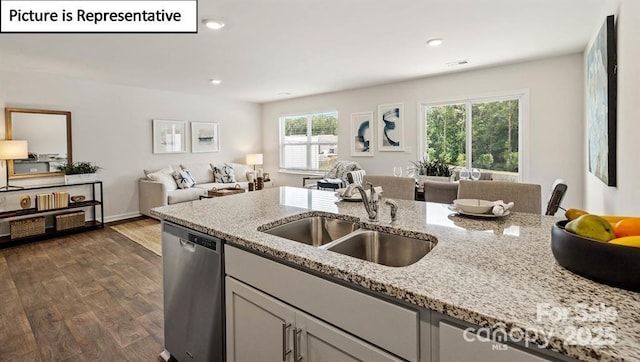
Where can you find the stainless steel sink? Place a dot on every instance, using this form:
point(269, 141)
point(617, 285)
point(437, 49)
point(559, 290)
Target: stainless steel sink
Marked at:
point(382, 248)
point(314, 230)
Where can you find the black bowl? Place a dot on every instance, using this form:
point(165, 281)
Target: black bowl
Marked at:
point(615, 265)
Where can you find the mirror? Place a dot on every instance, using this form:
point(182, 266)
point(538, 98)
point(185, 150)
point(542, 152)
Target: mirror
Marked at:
point(48, 135)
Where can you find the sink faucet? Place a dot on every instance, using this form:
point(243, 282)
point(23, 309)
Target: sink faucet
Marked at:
point(394, 209)
point(370, 203)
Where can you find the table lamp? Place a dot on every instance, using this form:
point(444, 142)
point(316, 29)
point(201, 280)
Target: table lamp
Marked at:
point(12, 150)
point(254, 159)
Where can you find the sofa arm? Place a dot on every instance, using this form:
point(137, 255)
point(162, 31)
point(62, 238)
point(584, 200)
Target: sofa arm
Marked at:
point(151, 194)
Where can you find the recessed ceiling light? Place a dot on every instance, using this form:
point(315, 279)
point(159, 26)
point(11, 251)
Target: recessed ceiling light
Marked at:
point(215, 81)
point(213, 24)
point(284, 93)
point(435, 42)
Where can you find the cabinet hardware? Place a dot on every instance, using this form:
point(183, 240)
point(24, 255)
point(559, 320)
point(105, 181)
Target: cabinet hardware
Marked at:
point(285, 349)
point(296, 344)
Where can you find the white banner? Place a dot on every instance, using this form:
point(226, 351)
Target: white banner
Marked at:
point(97, 16)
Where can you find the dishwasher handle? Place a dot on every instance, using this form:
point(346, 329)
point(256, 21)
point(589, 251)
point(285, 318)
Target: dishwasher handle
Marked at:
point(187, 245)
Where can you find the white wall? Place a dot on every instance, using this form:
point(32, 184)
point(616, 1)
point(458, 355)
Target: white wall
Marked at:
point(625, 198)
point(112, 127)
point(556, 121)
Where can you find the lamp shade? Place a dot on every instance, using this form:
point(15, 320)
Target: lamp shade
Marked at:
point(13, 149)
point(254, 159)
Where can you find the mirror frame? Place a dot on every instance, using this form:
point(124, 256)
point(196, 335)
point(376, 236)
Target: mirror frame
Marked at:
point(9, 135)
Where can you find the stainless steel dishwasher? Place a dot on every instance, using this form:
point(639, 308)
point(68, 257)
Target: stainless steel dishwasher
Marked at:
point(193, 277)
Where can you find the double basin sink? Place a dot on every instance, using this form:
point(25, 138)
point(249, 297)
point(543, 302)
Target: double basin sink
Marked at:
point(346, 237)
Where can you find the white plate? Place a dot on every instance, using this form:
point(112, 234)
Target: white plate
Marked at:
point(454, 208)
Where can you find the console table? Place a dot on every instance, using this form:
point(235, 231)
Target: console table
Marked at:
point(93, 202)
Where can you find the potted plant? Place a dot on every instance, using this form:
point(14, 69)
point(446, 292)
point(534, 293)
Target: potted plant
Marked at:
point(79, 172)
point(436, 169)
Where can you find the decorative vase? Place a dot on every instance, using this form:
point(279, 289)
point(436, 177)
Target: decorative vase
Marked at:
point(79, 178)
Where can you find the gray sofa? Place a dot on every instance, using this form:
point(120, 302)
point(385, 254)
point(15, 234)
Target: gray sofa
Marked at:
point(158, 188)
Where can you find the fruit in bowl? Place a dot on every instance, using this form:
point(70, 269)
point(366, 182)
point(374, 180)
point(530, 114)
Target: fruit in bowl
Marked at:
point(613, 262)
point(619, 230)
point(591, 226)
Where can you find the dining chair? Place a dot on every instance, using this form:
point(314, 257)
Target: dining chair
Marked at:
point(393, 187)
point(558, 190)
point(439, 191)
point(526, 197)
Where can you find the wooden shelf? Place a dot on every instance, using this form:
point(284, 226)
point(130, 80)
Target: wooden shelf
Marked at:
point(34, 211)
point(6, 241)
point(96, 203)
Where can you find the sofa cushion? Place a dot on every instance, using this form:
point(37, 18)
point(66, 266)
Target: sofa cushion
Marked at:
point(183, 195)
point(183, 178)
point(163, 176)
point(201, 172)
point(223, 174)
point(240, 171)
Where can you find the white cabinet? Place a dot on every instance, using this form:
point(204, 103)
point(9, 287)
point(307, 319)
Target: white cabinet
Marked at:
point(262, 328)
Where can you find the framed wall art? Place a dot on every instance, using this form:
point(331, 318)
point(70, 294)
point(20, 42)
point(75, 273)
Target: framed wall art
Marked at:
point(601, 104)
point(169, 136)
point(362, 130)
point(391, 127)
point(205, 137)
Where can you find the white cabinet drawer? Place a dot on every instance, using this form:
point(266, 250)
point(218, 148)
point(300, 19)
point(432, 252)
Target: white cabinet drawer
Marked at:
point(387, 325)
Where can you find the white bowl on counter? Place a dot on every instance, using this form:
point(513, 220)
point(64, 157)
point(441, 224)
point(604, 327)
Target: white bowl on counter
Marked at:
point(473, 206)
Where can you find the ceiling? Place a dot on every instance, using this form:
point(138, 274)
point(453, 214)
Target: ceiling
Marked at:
point(306, 47)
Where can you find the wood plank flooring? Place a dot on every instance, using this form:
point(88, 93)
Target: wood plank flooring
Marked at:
point(94, 296)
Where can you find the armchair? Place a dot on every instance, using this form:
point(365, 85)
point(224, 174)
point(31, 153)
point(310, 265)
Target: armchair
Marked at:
point(335, 178)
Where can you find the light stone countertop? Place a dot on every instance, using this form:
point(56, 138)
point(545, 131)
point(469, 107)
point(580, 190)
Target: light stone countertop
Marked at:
point(496, 273)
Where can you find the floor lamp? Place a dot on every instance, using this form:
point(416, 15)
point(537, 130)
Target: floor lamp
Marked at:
point(12, 150)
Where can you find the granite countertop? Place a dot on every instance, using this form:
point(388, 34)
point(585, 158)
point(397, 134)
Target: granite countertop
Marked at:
point(496, 273)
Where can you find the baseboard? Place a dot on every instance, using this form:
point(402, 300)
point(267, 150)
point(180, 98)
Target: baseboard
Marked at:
point(128, 215)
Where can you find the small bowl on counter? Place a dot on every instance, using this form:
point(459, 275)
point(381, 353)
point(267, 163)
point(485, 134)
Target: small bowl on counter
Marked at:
point(473, 206)
point(615, 265)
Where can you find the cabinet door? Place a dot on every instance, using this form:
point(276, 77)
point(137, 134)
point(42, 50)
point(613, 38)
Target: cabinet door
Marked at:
point(455, 347)
point(259, 327)
point(317, 341)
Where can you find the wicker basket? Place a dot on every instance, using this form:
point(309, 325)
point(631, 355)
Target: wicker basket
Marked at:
point(26, 227)
point(70, 220)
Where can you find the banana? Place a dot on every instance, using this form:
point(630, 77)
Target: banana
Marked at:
point(572, 214)
point(627, 241)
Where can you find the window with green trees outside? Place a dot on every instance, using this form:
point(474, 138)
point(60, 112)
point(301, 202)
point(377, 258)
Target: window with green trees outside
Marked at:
point(482, 134)
point(309, 142)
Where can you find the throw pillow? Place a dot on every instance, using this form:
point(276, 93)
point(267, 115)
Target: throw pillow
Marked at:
point(224, 174)
point(184, 179)
point(164, 176)
point(201, 172)
point(240, 171)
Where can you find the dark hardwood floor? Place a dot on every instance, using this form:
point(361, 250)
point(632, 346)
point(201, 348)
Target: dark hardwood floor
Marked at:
point(94, 296)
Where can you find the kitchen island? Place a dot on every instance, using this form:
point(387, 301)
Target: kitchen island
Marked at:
point(494, 273)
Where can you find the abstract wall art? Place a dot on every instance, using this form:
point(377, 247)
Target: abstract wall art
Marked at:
point(362, 130)
point(205, 137)
point(169, 136)
point(601, 104)
point(391, 127)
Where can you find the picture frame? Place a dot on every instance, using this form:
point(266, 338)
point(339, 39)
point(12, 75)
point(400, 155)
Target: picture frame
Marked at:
point(169, 136)
point(601, 104)
point(205, 137)
point(362, 134)
point(390, 127)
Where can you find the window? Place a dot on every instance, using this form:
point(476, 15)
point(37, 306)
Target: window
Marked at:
point(482, 133)
point(309, 142)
